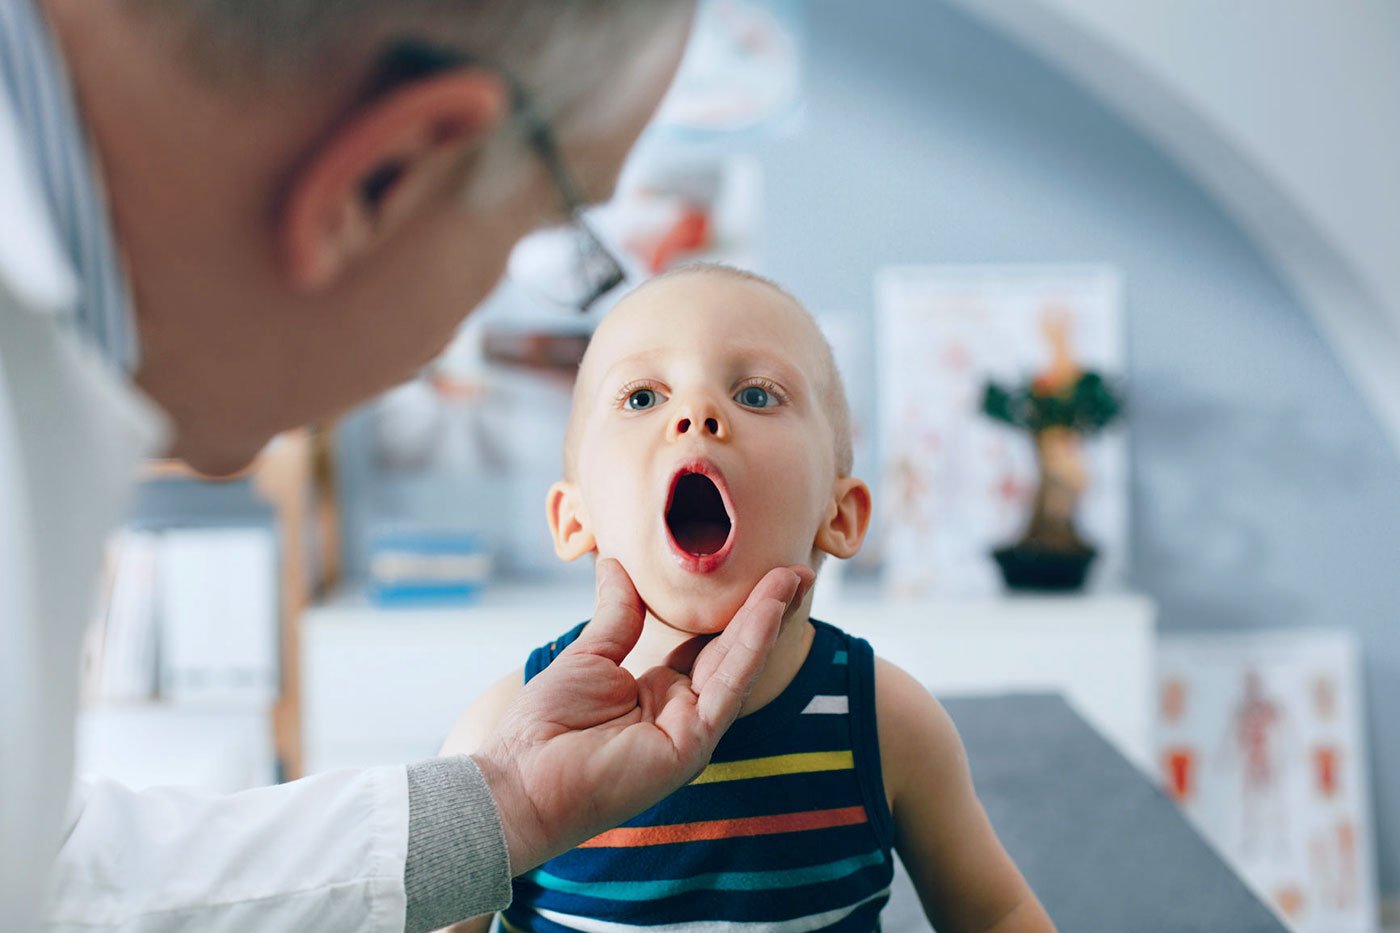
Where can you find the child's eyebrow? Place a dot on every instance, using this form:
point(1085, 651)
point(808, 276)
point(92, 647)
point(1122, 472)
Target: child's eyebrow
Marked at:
point(631, 359)
point(762, 358)
point(745, 358)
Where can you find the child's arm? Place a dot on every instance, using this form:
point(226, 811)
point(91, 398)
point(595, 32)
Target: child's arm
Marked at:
point(965, 879)
point(473, 726)
point(467, 735)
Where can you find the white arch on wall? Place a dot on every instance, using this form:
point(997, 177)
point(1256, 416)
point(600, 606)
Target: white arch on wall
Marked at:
point(1287, 113)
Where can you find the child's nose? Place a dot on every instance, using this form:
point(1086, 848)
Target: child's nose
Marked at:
point(702, 420)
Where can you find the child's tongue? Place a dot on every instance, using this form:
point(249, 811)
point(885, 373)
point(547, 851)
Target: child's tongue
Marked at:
point(700, 537)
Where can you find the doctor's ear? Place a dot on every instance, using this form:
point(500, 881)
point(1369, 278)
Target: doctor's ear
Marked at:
point(567, 524)
point(847, 518)
point(399, 155)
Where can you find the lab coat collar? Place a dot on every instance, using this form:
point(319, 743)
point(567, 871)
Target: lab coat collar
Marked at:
point(31, 261)
point(48, 128)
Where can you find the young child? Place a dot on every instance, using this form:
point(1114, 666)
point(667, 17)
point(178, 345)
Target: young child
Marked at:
point(710, 442)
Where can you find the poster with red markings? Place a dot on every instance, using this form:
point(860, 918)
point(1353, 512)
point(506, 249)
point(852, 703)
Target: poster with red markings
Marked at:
point(956, 483)
point(1260, 741)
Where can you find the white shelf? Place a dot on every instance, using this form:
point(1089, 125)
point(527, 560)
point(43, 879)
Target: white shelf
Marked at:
point(385, 685)
point(151, 744)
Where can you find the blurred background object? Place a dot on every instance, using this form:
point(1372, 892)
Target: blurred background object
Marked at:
point(191, 673)
point(1057, 408)
point(959, 485)
point(1261, 742)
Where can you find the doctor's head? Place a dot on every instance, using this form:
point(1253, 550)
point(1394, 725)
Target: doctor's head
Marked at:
point(310, 195)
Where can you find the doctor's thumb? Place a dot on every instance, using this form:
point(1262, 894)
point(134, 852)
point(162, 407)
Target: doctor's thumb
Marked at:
point(617, 619)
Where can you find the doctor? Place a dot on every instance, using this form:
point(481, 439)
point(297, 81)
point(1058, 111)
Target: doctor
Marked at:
point(220, 219)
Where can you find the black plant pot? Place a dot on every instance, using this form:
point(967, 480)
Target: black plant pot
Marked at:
point(1027, 567)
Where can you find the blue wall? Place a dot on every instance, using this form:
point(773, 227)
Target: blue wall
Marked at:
point(1264, 494)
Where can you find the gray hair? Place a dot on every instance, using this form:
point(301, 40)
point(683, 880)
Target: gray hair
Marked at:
point(562, 51)
point(582, 62)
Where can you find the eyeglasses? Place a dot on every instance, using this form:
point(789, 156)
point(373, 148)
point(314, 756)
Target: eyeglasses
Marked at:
point(593, 271)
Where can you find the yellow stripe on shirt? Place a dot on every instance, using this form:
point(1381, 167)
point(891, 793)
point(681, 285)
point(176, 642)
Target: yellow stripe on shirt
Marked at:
point(800, 763)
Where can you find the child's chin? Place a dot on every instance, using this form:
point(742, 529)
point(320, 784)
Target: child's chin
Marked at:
point(697, 616)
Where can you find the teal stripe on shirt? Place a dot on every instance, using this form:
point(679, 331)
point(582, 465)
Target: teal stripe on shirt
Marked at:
point(718, 881)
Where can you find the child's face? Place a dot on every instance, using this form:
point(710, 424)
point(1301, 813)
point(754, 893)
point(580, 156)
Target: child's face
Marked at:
point(704, 452)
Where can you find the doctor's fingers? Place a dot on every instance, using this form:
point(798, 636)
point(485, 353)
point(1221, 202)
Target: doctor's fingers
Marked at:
point(617, 618)
point(727, 667)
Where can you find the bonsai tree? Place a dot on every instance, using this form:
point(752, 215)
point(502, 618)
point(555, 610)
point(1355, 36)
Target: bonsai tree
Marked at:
point(1058, 407)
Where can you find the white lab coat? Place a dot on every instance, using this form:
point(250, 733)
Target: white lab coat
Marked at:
point(326, 853)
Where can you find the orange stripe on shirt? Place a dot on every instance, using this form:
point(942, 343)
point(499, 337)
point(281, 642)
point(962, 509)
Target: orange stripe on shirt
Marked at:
point(631, 836)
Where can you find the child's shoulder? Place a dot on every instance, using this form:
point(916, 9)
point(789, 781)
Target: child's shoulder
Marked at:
point(542, 656)
point(917, 736)
point(480, 719)
point(846, 645)
point(919, 747)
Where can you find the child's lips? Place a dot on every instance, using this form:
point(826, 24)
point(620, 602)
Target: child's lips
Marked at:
point(699, 536)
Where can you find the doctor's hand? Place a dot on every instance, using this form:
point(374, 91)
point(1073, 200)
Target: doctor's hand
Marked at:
point(586, 745)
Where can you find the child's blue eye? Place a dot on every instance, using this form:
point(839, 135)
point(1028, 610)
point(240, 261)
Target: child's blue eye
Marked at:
point(754, 397)
point(642, 399)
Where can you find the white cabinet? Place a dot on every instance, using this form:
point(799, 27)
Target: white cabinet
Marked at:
point(1100, 652)
point(383, 686)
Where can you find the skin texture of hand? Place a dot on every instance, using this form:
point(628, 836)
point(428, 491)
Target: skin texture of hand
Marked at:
point(586, 745)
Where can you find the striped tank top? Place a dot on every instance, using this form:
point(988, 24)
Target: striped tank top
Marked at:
point(786, 830)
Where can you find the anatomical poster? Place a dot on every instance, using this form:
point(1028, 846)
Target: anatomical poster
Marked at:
point(1260, 741)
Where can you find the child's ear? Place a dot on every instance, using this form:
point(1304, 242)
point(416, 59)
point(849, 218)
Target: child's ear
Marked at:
point(847, 520)
point(568, 525)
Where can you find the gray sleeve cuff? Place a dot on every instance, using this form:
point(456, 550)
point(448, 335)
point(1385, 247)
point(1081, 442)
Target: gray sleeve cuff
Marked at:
point(457, 866)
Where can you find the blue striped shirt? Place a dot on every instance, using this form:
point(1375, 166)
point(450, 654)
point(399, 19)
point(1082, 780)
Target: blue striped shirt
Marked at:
point(787, 829)
point(33, 76)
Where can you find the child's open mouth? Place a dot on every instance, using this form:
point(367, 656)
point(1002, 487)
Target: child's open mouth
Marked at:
point(699, 517)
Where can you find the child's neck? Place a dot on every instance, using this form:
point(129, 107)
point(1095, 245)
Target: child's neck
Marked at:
point(658, 640)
